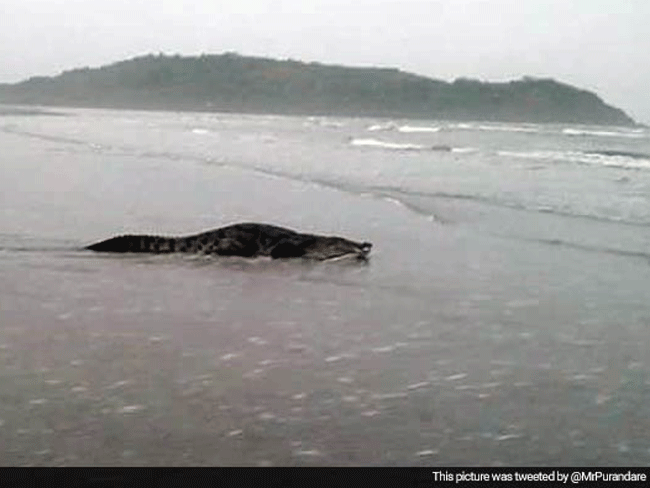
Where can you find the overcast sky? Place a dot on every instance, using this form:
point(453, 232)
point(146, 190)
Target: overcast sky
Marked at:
point(600, 45)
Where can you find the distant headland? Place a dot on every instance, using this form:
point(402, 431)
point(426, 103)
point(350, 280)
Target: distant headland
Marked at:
point(233, 83)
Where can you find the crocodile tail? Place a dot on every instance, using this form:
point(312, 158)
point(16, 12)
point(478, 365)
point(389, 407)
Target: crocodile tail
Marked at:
point(139, 243)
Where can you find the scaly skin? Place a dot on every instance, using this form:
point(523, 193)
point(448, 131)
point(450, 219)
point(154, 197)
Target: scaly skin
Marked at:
point(247, 240)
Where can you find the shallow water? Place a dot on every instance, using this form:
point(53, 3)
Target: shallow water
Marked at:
point(502, 318)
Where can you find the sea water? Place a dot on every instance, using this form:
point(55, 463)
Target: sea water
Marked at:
point(501, 320)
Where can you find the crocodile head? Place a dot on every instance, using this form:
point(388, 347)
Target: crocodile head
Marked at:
point(328, 248)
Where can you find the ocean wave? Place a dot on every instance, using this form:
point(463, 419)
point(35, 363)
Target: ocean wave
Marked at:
point(495, 127)
point(634, 134)
point(331, 123)
point(617, 152)
point(462, 126)
point(324, 122)
point(385, 145)
point(415, 128)
point(508, 128)
point(382, 127)
point(405, 194)
point(410, 198)
point(410, 147)
point(607, 158)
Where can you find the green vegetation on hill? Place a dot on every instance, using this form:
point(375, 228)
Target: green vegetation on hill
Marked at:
point(234, 83)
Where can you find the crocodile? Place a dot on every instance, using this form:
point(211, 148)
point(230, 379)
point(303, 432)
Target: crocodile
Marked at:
point(244, 239)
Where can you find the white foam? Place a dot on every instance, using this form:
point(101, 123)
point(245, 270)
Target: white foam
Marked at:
point(308, 453)
point(119, 384)
point(323, 122)
point(427, 452)
point(394, 201)
point(200, 131)
point(331, 123)
point(455, 377)
point(268, 362)
point(257, 340)
point(384, 144)
point(496, 127)
point(603, 133)
point(131, 409)
point(616, 161)
point(229, 356)
point(380, 127)
point(463, 126)
point(370, 413)
point(508, 128)
point(415, 128)
point(507, 437)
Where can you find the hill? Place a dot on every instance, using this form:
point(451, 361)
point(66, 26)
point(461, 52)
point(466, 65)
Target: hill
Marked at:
point(233, 83)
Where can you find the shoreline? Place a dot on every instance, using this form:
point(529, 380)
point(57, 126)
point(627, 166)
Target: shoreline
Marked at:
point(59, 110)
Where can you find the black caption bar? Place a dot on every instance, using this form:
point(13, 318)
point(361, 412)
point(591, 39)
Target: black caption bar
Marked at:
point(311, 477)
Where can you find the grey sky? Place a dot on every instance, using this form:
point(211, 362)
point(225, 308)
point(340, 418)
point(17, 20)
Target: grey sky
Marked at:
point(601, 45)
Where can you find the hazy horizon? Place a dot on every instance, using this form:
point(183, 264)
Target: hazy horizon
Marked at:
point(597, 45)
